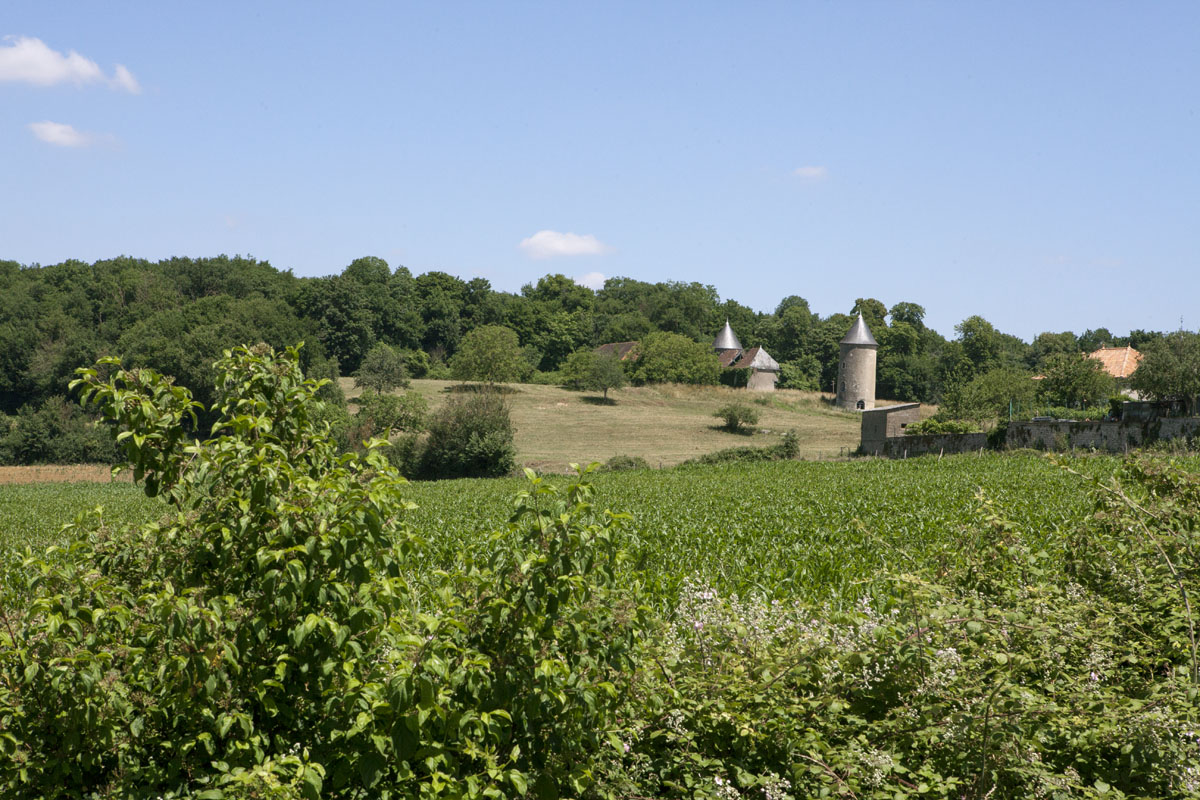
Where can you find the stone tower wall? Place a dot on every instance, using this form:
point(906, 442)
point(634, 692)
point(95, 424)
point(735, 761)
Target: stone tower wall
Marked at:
point(856, 377)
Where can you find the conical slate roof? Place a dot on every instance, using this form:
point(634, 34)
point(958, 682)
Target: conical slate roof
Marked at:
point(860, 334)
point(727, 339)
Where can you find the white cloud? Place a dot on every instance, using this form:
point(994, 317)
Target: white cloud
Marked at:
point(811, 173)
point(60, 134)
point(548, 244)
point(28, 60)
point(123, 79)
point(593, 280)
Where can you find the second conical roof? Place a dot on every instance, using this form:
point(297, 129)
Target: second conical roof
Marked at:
point(860, 334)
point(727, 339)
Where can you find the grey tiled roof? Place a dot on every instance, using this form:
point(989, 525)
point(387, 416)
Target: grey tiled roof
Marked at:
point(860, 334)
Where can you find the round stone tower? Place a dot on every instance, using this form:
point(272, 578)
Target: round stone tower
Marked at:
point(856, 368)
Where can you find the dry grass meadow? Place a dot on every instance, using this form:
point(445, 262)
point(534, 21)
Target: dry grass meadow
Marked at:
point(664, 424)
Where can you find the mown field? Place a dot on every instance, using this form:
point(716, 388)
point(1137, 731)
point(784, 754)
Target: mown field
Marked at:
point(813, 530)
point(664, 424)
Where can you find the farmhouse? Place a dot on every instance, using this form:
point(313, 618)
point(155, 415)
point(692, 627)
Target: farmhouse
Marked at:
point(754, 368)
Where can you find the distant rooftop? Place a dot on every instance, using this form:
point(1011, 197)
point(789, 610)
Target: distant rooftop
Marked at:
point(1120, 362)
point(621, 350)
point(727, 339)
point(860, 334)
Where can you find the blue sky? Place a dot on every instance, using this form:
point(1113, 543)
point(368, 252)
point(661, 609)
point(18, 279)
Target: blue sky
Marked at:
point(1034, 163)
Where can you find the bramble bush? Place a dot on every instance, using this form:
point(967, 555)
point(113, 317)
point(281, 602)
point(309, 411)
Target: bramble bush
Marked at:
point(279, 634)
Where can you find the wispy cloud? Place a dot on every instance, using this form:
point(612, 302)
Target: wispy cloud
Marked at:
point(28, 60)
point(592, 280)
point(811, 173)
point(60, 134)
point(549, 244)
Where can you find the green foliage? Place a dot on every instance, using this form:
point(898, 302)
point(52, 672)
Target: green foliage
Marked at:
point(1003, 678)
point(802, 373)
point(737, 415)
point(672, 358)
point(785, 450)
point(268, 639)
point(55, 433)
point(385, 414)
point(939, 426)
point(1074, 379)
point(382, 370)
point(988, 396)
point(622, 463)
point(587, 369)
point(491, 354)
point(1170, 369)
point(470, 436)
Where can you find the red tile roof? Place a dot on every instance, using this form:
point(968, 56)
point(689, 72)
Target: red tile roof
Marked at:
point(1120, 362)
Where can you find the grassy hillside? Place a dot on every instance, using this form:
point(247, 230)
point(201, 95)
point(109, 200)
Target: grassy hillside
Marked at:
point(664, 424)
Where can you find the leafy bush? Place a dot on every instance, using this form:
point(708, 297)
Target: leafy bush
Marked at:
point(737, 416)
point(381, 414)
point(789, 448)
point(1090, 414)
point(57, 432)
point(786, 450)
point(939, 426)
point(622, 463)
point(470, 436)
point(267, 639)
point(1006, 678)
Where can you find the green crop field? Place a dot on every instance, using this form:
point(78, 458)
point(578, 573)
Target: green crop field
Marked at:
point(814, 530)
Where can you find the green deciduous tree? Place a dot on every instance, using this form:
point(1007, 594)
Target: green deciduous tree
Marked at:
point(382, 370)
point(587, 369)
point(988, 396)
point(1170, 369)
point(1074, 380)
point(491, 354)
point(672, 358)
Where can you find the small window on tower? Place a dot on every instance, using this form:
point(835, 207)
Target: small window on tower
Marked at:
point(861, 404)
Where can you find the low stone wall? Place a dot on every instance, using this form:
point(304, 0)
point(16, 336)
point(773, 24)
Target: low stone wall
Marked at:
point(1114, 437)
point(913, 446)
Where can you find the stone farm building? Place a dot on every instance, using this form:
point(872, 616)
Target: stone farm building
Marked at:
point(758, 370)
point(753, 367)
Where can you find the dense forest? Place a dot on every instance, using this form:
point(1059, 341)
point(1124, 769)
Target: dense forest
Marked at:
point(178, 315)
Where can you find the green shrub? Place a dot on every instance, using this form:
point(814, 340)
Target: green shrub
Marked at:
point(622, 463)
point(789, 448)
point(383, 414)
point(470, 436)
point(268, 638)
point(57, 432)
point(939, 426)
point(737, 416)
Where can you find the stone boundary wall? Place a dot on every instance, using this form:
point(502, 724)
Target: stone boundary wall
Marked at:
point(933, 443)
point(1115, 437)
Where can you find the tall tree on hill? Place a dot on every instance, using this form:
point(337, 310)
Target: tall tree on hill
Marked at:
point(492, 354)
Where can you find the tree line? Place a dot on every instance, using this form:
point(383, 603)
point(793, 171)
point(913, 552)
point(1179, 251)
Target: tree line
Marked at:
point(178, 315)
